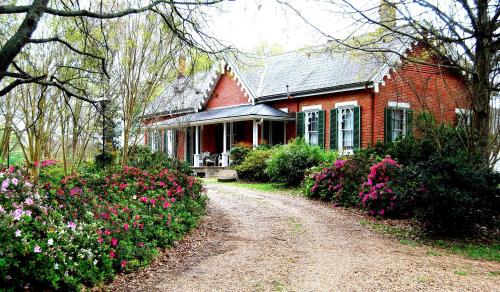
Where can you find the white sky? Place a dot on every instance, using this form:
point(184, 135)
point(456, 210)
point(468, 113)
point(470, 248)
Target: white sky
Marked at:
point(245, 24)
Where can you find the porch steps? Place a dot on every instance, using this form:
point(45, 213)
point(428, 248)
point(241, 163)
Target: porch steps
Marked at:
point(215, 172)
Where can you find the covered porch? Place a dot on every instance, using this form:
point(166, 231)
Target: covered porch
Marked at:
point(210, 135)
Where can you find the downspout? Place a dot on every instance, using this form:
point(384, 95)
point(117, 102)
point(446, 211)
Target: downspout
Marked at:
point(372, 91)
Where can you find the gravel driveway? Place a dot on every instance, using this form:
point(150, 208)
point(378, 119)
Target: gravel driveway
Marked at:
point(257, 241)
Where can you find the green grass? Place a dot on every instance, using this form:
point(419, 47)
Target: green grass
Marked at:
point(472, 249)
point(264, 187)
point(461, 272)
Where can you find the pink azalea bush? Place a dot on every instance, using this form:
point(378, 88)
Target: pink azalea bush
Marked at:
point(377, 194)
point(331, 183)
point(83, 229)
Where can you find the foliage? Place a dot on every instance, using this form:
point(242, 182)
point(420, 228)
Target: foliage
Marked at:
point(457, 198)
point(338, 183)
point(141, 157)
point(377, 193)
point(238, 153)
point(288, 163)
point(83, 229)
point(253, 167)
point(104, 159)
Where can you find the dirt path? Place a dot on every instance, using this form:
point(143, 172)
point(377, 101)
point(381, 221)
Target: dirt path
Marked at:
point(255, 241)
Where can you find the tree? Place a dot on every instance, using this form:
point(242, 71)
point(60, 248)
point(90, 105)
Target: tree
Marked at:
point(466, 32)
point(177, 16)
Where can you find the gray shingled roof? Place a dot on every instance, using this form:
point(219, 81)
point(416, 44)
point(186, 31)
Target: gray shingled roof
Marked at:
point(243, 111)
point(184, 94)
point(304, 71)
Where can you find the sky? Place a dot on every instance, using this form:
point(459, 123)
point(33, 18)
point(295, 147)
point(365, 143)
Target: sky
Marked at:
point(245, 24)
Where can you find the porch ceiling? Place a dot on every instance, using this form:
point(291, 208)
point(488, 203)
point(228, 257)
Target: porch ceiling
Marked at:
point(229, 114)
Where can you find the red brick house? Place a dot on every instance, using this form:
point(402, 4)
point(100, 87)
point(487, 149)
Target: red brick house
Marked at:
point(337, 100)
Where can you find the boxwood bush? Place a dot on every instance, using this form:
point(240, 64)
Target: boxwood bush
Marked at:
point(288, 163)
point(253, 167)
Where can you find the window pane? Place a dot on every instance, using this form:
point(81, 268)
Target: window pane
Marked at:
point(398, 123)
point(347, 128)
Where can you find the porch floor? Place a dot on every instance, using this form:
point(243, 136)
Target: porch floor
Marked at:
point(214, 172)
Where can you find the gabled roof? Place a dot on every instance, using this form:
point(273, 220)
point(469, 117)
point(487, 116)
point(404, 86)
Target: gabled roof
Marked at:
point(297, 73)
point(247, 111)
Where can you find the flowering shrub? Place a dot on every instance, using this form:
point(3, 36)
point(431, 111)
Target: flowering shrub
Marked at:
point(331, 184)
point(377, 194)
point(82, 230)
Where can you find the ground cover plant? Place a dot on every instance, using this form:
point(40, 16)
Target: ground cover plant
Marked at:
point(83, 229)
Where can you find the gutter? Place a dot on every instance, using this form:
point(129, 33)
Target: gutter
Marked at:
point(220, 120)
point(314, 92)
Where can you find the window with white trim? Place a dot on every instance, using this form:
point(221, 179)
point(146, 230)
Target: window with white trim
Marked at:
point(312, 127)
point(398, 122)
point(346, 128)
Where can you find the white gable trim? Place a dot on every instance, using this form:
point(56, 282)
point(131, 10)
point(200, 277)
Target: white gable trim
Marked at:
point(241, 82)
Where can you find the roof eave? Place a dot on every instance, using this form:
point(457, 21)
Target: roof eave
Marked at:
point(319, 91)
point(168, 113)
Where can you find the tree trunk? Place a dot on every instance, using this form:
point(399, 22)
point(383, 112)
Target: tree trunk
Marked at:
point(480, 85)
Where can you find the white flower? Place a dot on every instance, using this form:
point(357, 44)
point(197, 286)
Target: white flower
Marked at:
point(50, 241)
point(56, 266)
point(95, 262)
point(18, 233)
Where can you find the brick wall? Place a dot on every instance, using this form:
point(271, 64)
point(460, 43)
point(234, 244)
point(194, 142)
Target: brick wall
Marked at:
point(327, 102)
point(227, 92)
point(425, 88)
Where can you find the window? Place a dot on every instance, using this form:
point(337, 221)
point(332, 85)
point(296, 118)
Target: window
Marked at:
point(398, 123)
point(312, 127)
point(346, 128)
point(463, 117)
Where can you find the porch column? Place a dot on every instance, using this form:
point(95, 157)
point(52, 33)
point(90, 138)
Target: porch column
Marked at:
point(255, 134)
point(225, 155)
point(197, 147)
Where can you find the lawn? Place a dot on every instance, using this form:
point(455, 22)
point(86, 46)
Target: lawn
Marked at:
point(473, 249)
point(264, 187)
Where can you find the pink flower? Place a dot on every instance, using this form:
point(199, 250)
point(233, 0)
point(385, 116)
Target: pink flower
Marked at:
point(124, 263)
point(112, 254)
point(75, 191)
point(381, 212)
point(18, 233)
point(125, 226)
point(71, 225)
point(172, 200)
point(166, 205)
point(152, 201)
point(28, 201)
point(12, 169)
point(100, 240)
point(144, 199)
point(107, 232)
point(114, 241)
point(37, 249)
